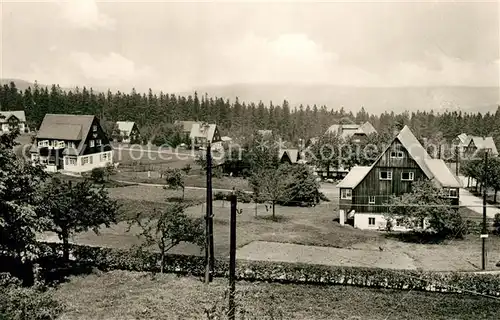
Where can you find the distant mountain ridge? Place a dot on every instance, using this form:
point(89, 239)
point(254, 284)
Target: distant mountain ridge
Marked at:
point(23, 85)
point(374, 99)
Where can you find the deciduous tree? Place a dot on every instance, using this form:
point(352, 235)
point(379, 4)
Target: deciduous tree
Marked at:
point(174, 179)
point(168, 229)
point(426, 202)
point(75, 207)
point(19, 201)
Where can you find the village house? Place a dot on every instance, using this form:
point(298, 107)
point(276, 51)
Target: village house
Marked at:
point(352, 131)
point(474, 144)
point(129, 131)
point(72, 143)
point(365, 190)
point(185, 127)
point(10, 120)
point(291, 156)
point(202, 133)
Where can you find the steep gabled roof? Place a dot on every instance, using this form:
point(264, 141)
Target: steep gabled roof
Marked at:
point(415, 149)
point(462, 139)
point(442, 174)
point(434, 169)
point(367, 128)
point(484, 143)
point(348, 130)
point(7, 114)
point(186, 125)
point(293, 154)
point(200, 130)
point(354, 177)
point(66, 127)
point(125, 125)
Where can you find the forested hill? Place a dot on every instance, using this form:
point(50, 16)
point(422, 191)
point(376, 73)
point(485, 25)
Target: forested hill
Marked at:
point(155, 112)
point(373, 99)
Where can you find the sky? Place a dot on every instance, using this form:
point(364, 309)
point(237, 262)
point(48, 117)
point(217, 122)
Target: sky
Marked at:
point(175, 46)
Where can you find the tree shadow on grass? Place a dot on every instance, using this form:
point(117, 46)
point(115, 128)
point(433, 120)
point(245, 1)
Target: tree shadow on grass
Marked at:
point(417, 237)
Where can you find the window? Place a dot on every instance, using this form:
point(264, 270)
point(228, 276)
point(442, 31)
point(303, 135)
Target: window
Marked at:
point(453, 193)
point(397, 154)
point(98, 142)
point(61, 144)
point(371, 199)
point(385, 175)
point(52, 143)
point(91, 158)
point(399, 222)
point(94, 128)
point(44, 143)
point(407, 176)
point(85, 160)
point(71, 145)
point(346, 194)
point(105, 156)
point(371, 221)
point(92, 143)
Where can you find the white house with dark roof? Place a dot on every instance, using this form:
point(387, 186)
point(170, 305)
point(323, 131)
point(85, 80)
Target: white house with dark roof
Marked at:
point(129, 131)
point(365, 190)
point(73, 143)
point(12, 119)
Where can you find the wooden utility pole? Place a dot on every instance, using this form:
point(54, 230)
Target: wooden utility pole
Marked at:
point(484, 233)
point(457, 159)
point(209, 246)
point(232, 259)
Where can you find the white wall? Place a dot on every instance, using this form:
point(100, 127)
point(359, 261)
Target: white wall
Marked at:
point(6, 127)
point(96, 162)
point(361, 221)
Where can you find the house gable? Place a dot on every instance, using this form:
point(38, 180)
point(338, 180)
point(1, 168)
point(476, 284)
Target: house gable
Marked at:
point(93, 135)
point(12, 119)
point(390, 161)
point(216, 136)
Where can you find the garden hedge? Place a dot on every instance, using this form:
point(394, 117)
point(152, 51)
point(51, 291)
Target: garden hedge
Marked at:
point(118, 259)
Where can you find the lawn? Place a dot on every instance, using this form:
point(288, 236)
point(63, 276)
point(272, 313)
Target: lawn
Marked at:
point(195, 179)
point(301, 226)
point(132, 295)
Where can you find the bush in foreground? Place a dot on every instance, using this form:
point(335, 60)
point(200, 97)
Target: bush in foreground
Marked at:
point(19, 303)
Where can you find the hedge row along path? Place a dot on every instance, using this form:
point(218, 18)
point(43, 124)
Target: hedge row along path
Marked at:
point(108, 259)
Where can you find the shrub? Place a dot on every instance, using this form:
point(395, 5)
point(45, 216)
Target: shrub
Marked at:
point(113, 259)
point(18, 303)
point(496, 224)
point(97, 175)
point(187, 168)
point(219, 195)
point(243, 196)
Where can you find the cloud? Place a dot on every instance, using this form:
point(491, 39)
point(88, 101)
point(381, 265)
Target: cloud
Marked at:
point(111, 69)
point(447, 71)
point(85, 14)
point(287, 58)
